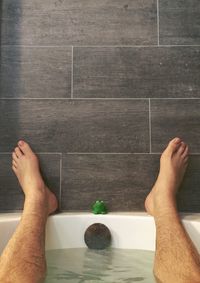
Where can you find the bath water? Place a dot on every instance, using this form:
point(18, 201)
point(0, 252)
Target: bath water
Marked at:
point(82, 265)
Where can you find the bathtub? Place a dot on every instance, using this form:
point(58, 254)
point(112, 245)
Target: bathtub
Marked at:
point(129, 230)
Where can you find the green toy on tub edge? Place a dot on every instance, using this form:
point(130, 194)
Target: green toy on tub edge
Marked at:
point(99, 207)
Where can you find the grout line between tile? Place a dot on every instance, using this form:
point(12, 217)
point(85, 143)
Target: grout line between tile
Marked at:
point(60, 191)
point(139, 46)
point(106, 46)
point(150, 147)
point(35, 46)
point(72, 74)
point(110, 98)
point(179, 45)
point(99, 153)
point(116, 46)
point(158, 23)
point(120, 153)
point(76, 46)
point(175, 98)
point(34, 98)
point(47, 153)
point(103, 98)
point(109, 153)
point(74, 98)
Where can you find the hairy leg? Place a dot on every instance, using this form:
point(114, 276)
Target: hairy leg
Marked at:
point(176, 258)
point(23, 260)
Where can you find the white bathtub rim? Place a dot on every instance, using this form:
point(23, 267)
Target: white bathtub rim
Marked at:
point(15, 216)
point(130, 230)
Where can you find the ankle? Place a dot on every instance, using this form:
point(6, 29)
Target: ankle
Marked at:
point(36, 202)
point(37, 193)
point(164, 205)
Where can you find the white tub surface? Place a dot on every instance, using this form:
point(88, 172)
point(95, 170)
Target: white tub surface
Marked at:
point(129, 230)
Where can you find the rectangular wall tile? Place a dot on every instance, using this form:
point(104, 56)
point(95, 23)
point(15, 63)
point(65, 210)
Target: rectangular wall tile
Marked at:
point(122, 181)
point(137, 72)
point(171, 118)
point(179, 22)
point(11, 195)
point(76, 125)
point(78, 22)
point(35, 72)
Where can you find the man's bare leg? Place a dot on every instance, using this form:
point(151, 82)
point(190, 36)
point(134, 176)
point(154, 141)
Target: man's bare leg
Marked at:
point(23, 260)
point(176, 258)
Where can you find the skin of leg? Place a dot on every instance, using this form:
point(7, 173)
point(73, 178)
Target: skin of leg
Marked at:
point(176, 258)
point(23, 259)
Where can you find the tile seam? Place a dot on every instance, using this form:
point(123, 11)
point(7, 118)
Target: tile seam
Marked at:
point(175, 98)
point(60, 189)
point(74, 98)
point(150, 145)
point(158, 23)
point(120, 153)
point(72, 74)
point(109, 153)
point(102, 153)
point(103, 98)
point(44, 153)
point(104, 46)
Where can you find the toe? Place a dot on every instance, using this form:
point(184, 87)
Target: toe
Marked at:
point(25, 148)
point(185, 152)
point(174, 142)
point(14, 163)
point(182, 148)
point(173, 145)
point(14, 156)
point(14, 169)
point(18, 152)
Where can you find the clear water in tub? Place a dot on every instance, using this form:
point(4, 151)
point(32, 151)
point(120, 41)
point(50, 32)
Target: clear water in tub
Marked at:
point(108, 266)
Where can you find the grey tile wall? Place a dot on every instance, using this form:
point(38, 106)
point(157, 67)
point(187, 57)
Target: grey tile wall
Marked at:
point(86, 22)
point(98, 88)
point(76, 125)
point(137, 72)
point(175, 117)
point(42, 72)
point(122, 181)
point(179, 22)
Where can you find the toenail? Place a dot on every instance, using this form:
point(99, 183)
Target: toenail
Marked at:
point(21, 143)
point(177, 140)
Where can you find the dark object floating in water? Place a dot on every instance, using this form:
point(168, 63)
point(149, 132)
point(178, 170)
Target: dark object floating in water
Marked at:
point(97, 237)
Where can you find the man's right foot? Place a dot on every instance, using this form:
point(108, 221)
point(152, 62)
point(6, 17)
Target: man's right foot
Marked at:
point(25, 164)
point(173, 164)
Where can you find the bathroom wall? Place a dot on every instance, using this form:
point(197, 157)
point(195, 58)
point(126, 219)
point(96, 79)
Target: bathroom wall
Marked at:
point(98, 88)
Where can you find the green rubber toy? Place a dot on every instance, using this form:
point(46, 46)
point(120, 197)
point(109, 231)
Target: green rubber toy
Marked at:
point(99, 207)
